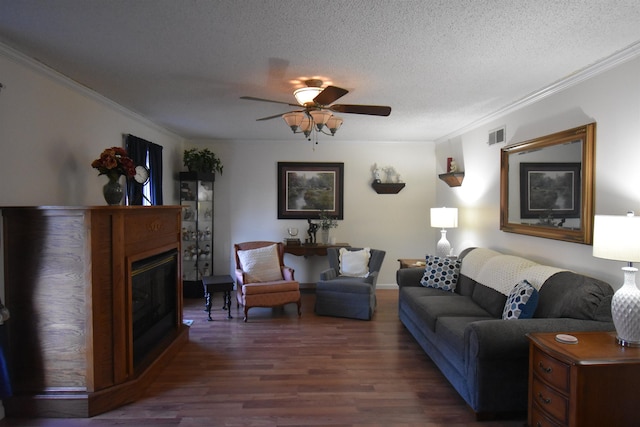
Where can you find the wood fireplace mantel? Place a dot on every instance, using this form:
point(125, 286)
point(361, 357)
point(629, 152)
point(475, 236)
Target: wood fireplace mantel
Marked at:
point(67, 282)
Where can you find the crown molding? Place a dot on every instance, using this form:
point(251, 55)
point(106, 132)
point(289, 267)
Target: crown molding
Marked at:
point(611, 61)
point(39, 67)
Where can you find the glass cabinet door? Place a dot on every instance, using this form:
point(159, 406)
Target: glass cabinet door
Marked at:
point(196, 199)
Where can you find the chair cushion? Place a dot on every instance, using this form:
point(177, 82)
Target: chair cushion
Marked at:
point(261, 264)
point(354, 263)
point(270, 287)
point(441, 273)
point(521, 302)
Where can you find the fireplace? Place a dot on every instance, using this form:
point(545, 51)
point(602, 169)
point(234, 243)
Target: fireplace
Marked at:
point(153, 301)
point(86, 338)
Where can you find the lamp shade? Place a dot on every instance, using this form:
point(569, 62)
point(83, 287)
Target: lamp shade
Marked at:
point(444, 217)
point(617, 237)
point(305, 95)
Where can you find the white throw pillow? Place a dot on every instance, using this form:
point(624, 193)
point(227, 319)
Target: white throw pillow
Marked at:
point(262, 264)
point(354, 263)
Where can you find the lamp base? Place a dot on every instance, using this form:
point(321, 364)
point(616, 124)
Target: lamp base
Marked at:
point(443, 248)
point(625, 310)
point(626, 343)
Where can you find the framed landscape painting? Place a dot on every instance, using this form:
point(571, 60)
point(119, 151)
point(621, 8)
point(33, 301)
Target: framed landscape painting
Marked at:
point(305, 189)
point(550, 189)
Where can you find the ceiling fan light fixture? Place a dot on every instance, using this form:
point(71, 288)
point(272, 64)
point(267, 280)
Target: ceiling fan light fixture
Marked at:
point(334, 124)
point(307, 125)
point(320, 118)
point(305, 95)
point(294, 120)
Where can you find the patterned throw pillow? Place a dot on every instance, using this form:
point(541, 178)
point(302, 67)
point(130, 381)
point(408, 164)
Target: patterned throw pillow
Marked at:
point(441, 273)
point(521, 302)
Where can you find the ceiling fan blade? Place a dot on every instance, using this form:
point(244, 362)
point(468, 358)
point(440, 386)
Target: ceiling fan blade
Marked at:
point(253, 98)
point(270, 117)
point(372, 110)
point(329, 95)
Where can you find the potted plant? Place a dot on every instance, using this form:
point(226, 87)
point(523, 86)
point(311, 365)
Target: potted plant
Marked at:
point(203, 161)
point(327, 222)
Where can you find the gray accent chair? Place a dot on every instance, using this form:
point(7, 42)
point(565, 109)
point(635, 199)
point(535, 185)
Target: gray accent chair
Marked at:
point(343, 296)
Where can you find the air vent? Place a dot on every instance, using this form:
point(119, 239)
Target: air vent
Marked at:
point(497, 136)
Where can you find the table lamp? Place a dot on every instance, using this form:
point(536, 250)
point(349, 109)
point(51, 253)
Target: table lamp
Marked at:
point(617, 237)
point(444, 218)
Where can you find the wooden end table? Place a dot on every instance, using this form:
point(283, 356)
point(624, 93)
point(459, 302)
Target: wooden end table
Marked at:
point(411, 262)
point(591, 383)
point(223, 283)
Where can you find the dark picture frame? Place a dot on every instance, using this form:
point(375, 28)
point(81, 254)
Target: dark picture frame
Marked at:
point(550, 190)
point(307, 188)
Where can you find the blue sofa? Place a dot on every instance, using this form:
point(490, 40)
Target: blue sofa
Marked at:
point(484, 357)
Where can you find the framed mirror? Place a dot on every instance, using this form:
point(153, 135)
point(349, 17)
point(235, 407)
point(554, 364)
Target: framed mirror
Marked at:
point(547, 186)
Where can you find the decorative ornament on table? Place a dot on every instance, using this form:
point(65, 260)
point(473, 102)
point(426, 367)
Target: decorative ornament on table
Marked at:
point(327, 222)
point(114, 162)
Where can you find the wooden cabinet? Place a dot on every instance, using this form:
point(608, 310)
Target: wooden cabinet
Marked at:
point(591, 383)
point(68, 282)
point(196, 199)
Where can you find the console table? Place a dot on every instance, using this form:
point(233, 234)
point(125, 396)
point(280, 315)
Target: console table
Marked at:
point(310, 250)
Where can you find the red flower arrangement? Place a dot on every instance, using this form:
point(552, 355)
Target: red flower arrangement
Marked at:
point(113, 162)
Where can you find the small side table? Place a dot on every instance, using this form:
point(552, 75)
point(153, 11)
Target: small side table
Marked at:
point(223, 283)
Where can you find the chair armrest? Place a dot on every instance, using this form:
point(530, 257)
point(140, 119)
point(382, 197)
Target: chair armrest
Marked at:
point(328, 274)
point(240, 279)
point(372, 278)
point(288, 273)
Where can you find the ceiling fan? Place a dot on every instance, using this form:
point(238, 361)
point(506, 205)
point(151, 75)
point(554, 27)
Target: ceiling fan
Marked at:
point(317, 112)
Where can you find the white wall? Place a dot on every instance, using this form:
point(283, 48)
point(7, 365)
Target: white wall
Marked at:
point(246, 199)
point(50, 132)
point(612, 99)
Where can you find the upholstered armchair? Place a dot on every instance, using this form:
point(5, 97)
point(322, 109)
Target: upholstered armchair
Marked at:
point(348, 287)
point(262, 279)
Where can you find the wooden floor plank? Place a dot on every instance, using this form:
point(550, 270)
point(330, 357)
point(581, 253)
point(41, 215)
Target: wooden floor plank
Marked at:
point(279, 370)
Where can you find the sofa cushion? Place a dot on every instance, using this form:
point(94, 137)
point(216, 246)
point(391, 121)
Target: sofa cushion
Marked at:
point(521, 302)
point(489, 299)
point(430, 308)
point(354, 263)
point(261, 264)
point(465, 285)
point(567, 294)
point(441, 273)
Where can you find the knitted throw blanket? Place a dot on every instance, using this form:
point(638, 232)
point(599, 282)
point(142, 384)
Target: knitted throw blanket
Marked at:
point(503, 272)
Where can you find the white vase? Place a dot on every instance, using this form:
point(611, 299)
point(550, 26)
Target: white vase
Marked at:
point(324, 236)
point(625, 310)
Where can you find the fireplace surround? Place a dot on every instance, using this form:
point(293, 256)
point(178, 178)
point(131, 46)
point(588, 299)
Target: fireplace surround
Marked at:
point(76, 307)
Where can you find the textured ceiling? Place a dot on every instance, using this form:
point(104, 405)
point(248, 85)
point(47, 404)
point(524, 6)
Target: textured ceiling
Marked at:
point(440, 64)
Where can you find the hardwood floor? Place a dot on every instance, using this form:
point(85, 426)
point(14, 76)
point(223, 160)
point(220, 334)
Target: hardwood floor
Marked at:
point(281, 370)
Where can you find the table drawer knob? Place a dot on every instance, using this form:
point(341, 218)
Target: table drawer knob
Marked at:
point(546, 370)
point(543, 399)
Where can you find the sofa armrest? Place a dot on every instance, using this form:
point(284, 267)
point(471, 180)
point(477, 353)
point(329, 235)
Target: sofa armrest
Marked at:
point(409, 276)
point(505, 338)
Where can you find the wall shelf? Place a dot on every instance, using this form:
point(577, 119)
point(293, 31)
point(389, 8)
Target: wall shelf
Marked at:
point(453, 179)
point(387, 188)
